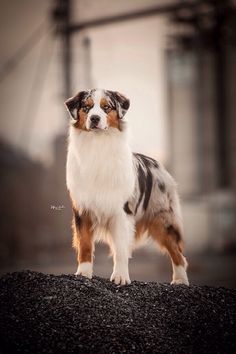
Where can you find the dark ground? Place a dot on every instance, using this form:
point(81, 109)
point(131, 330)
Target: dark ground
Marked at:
point(66, 314)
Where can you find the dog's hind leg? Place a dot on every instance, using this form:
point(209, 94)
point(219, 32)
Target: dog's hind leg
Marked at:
point(83, 243)
point(121, 239)
point(169, 237)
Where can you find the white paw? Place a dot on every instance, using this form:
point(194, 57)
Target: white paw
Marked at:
point(85, 269)
point(120, 279)
point(180, 275)
point(180, 281)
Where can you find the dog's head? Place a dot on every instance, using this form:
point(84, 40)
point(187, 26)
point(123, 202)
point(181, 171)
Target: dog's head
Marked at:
point(97, 109)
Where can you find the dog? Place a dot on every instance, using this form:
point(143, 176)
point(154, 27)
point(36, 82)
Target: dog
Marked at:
point(117, 196)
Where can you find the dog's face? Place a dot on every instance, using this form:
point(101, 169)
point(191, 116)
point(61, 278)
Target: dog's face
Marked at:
point(95, 110)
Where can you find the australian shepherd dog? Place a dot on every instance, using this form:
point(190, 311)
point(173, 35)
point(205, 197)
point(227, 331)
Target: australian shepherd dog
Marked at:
point(117, 196)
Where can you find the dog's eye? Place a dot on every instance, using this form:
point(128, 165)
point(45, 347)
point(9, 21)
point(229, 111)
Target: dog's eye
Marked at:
point(86, 109)
point(107, 108)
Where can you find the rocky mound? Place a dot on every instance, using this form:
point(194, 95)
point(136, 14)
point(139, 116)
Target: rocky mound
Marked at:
point(66, 314)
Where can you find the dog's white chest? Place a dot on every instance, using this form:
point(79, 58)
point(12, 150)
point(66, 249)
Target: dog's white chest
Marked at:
point(100, 175)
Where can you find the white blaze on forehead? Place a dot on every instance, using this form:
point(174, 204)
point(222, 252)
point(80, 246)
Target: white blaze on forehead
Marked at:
point(96, 96)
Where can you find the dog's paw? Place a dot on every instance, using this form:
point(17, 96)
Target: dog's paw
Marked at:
point(180, 281)
point(180, 275)
point(85, 269)
point(120, 279)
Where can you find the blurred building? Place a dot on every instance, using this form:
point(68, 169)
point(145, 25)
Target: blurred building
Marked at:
point(201, 77)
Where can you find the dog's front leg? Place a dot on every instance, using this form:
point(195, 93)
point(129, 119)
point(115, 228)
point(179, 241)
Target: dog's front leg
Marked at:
point(122, 233)
point(83, 243)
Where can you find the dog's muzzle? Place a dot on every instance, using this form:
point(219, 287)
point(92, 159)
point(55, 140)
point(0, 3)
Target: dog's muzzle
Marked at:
point(94, 121)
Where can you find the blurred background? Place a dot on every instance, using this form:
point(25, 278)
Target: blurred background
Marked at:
point(176, 61)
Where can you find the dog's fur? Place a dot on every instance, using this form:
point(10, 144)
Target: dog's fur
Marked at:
point(117, 196)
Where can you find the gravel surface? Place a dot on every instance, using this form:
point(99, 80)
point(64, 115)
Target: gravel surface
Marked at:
point(66, 314)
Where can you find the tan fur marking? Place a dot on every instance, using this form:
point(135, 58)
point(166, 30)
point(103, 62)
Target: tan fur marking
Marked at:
point(113, 120)
point(167, 240)
point(112, 115)
point(140, 229)
point(103, 102)
point(89, 102)
point(82, 116)
point(81, 122)
point(83, 238)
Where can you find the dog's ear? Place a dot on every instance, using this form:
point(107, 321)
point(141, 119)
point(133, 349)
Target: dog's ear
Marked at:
point(121, 102)
point(73, 104)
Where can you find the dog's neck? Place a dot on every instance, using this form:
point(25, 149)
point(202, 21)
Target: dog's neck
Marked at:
point(106, 144)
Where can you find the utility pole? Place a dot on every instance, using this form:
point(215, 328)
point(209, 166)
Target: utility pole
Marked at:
point(88, 82)
point(62, 18)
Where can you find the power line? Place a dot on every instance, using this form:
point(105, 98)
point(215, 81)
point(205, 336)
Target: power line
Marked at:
point(136, 14)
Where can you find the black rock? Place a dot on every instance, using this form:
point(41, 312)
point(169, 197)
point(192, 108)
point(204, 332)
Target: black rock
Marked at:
point(67, 314)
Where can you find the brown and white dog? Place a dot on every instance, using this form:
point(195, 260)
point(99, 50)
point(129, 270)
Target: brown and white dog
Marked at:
point(117, 195)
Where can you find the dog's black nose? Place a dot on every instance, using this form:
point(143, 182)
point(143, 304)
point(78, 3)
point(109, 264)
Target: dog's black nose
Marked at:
point(95, 119)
